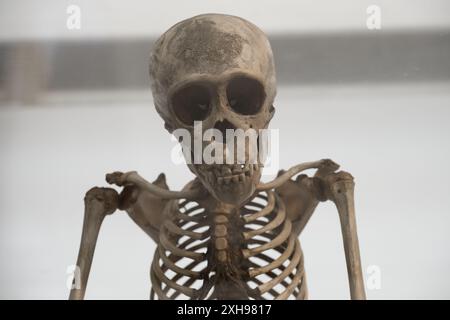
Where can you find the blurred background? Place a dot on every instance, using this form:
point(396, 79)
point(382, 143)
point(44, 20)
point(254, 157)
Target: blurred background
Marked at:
point(75, 104)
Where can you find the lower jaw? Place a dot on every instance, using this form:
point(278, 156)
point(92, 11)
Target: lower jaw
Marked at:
point(232, 189)
point(234, 193)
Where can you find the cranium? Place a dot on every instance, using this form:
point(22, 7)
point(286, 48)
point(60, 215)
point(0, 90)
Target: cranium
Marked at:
point(217, 69)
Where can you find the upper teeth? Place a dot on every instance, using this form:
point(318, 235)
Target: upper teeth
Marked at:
point(226, 174)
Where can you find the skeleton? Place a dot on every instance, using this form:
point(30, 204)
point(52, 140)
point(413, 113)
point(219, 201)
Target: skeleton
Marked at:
point(226, 235)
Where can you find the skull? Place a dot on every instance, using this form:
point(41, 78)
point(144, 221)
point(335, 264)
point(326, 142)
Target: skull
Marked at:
point(217, 69)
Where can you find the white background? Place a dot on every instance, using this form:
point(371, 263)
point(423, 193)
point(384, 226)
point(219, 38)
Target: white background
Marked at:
point(393, 137)
point(46, 19)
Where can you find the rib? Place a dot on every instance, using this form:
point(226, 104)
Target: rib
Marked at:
point(161, 276)
point(294, 283)
point(177, 251)
point(279, 218)
point(170, 264)
point(275, 263)
point(279, 239)
point(265, 210)
point(173, 228)
point(295, 259)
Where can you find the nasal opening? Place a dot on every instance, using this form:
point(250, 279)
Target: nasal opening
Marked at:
point(223, 125)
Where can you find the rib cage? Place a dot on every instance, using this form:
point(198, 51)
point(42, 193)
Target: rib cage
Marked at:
point(185, 267)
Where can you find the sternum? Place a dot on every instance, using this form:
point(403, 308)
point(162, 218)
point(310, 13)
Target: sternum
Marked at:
point(226, 257)
point(227, 237)
point(220, 237)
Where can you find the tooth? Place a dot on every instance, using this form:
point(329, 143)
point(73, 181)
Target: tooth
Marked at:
point(227, 180)
point(241, 177)
point(235, 178)
point(220, 180)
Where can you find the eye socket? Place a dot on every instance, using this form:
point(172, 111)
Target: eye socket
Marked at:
point(192, 103)
point(245, 95)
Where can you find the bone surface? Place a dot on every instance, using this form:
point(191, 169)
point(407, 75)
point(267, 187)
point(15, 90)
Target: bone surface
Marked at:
point(228, 252)
point(226, 234)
